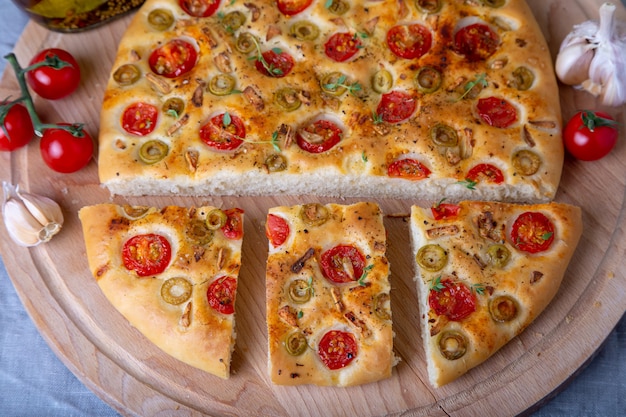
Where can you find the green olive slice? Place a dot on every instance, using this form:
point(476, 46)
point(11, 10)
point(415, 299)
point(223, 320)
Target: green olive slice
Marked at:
point(198, 232)
point(304, 30)
point(216, 219)
point(176, 290)
point(173, 106)
point(523, 78)
point(287, 98)
point(432, 257)
point(444, 135)
point(503, 308)
point(498, 255)
point(295, 343)
point(493, 3)
point(127, 74)
point(160, 19)
point(333, 83)
point(135, 212)
point(526, 162)
point(428, 6)
point(382, 81)
point(246, 43)
point(300, 291)
point(233, 21)
point(338, 7)
point(276, 162)
point(222, 84)
point(153, 151)
point(379, 306)
point(452, 345)
point(314, 214)
point(428, 79)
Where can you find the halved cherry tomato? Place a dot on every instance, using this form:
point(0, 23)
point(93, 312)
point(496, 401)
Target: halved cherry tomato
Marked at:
point(337, 349)
point(497, 112)
point(342, 46)
point(589, 136)
point(409, 41)
point(487, 172)
point(292, 7)
point(233, 228)
point(199, 8)
point(17, 128)
point(532, 232)
point(147, 254)
point(276, 229)
point(445, 211)
point(408, 168)
point(221, 294)
point(140, 118)
point(396, 106)
point(175, 58)
point(224, 132)
point(65, 152)
point(452, 299)
point(51, 83)
point(343, 263)
point(319, 136)
point(476, 42)
point(275, 63)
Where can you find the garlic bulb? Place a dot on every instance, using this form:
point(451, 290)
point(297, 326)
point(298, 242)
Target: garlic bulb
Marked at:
point(30, 219)
point(592, 57)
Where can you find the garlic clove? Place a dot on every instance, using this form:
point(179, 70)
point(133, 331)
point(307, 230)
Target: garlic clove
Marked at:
point(22, 226)
point(44, 209)
point(572, 63)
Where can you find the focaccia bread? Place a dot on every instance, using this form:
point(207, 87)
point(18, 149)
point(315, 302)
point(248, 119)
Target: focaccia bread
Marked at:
point(384, 99)
point(484, 272)
point(328, 307)
point(172, 273)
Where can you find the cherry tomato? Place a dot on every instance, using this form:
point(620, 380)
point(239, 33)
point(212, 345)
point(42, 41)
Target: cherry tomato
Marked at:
point(452, 299)
point(337, 349)
point(319, 136)
point(275, 63)
point(233, 228)
point(485, 172)
point(409, 169)
point(175, 58)
point(221, 294)
point(17, 128)
point(532, 232)
point(199, 8)
point(140, 118)
point(63, 151)
point(476, 42)
point(292, 7)
point(589, 135)
point(396, 106)
point(443, 211)
point(51, 83)
point(342, 46)
point(224, 132)
point(497, 112)
point(343, 263)
point(147, 254)
point(276, 229)
point(409, 41)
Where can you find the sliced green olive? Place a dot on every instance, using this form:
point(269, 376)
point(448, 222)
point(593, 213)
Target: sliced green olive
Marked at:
point(198, 232)
point(304, 30)
point(300, 291)
point(276, 162)
point(246, 43)
point(338, 7)
point(216, 219)
point(498, 255)
point(503, 308)
point(295, 343)
point(222, 84)
point(135, 212)
point(494, 3)
point(233, 21)
point(287, 98)
point(428, 79)
point(153, 151)
point(333, 83)
point(526, 162)
point(444, 135)
point(160, 19)
point(452, 345)
point(523, 78)
point(432, 257)
point(380, 306)
point(127, 74)
point(174, 106)
point(428, 6)
point(382, 81)
point(176, 290)
point(314, 214)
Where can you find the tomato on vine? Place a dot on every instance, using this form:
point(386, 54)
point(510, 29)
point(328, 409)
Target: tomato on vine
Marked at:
point(53, 74)
point(589, 135)
point(17, 127)
point(66, 150)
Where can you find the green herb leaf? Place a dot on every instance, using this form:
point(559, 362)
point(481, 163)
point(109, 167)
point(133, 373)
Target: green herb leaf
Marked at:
point(366, 271)
point(435, 284)
point(469, 184)
point(478, 288)
point(226, 119)
point(479, 80)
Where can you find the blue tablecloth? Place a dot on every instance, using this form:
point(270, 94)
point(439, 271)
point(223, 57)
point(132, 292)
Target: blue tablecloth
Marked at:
point(33, 382)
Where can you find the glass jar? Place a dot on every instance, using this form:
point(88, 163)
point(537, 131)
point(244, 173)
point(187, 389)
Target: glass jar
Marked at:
point(75, 15)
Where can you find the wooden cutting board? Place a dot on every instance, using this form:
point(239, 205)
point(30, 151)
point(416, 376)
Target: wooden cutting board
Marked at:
point(136, 378)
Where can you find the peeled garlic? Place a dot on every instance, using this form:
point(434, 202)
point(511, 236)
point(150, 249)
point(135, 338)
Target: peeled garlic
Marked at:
point(30, 219)
point(593, 57)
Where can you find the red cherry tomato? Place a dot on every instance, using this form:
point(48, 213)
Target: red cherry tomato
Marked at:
point(292, 7)
point(140, 118)
point(51, 83)
point(276, 229)
point(497, 112)
point(452, 299)
point(233, 228)
point(147, 254)
point(17, 128)
point(476, 42)
point(343, 263)
point(409, 41)
point(486, 172)
point(199, 8)
point(63, 151)
point(409, 169)
point(319, 136)
point(275, 63)
point(396, 106)
point(342, 46)
point(589, 135)
point(337, 349)
point(175, 58)
point(221, 294)
point(443, 211)
point(224, 132)
point(532, 232)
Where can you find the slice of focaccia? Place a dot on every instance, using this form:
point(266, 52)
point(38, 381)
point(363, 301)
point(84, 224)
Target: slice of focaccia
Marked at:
point(328, 307)
point(172, 273)
point(485, 271)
